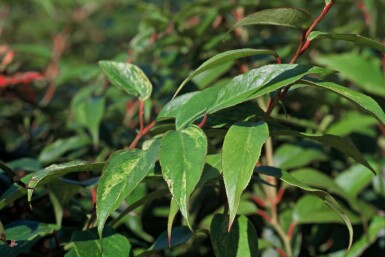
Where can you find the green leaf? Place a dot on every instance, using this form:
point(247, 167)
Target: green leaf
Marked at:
point(124, 170)
point(286, 156)
point(9, 172)
point(87, 243)
point(225, 57)
point(174, 208)
point(357, 39)
point(366, 103)
point(53, 151)
point(326, 197)
point(26, 233)
point(287, 17)
point(180, 235)
point(356, 67)
point(196, 106)
point(261, 81)
point(336, 142)
point(241, 150)
point(240, 241)
point(208, 77)
point(346, 123)
point(315, 178)
point(51, 172)
point(310, 209)
point(14, 192)
point(354, 180)
point(182, 157)
point(171, 109)
point(373, 233)
point(128, 77)
point(242, 88)
point(60, 194)
point(89, 112)
point(212, 169)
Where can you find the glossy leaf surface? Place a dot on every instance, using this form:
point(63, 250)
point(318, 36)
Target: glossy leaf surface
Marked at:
point(357, 39)
point(182, 157)
point(366, 103)
point(287, 17)
point(128, 77)
point(25, 233)
point(242, 88)
point(51, 172)
point(241, 150)
point(225, 57)
point(87, 243)
point(123, 172)
point(240, 241)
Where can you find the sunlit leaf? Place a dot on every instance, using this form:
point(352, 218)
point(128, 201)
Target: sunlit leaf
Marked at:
point(182, 158)
point(287, 17)
point(124, 170)
point(128, 77)
point(225, 57)
point(241, 150)
point(357, 39)
point(46, 175)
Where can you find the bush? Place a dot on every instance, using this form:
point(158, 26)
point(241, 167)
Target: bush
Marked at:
point(223, 128)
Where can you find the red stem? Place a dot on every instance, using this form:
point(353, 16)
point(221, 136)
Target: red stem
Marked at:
point(141, 134)
point(141, 115)
point(264, 215)
point(258, 200)
point(290, 231)
point(281, 252)
point(281, 191)
point(203, 122)
point(303, 45)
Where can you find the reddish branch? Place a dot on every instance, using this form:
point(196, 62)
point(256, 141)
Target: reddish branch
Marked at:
point(302, 46)
point(142, 129)
point(203, 122)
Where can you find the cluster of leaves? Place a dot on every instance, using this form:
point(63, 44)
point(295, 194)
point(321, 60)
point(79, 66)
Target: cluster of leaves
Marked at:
point(261, 156)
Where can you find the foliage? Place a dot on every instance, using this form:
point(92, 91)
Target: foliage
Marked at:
point(263, 126)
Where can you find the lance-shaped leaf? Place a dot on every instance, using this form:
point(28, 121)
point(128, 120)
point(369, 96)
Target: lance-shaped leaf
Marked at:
point(174, 208)
point(244, 87)
point(51, 172)
point(182, 157)
point(241, 241)
point(357, 39)
point(241, 151)
point(124, 170)
point(225, 57)
point(336, 142)
point(89, 112)
point(287, 17)
point(326, 197)
point(366, 103)
point(373, 233)
point(128, 77)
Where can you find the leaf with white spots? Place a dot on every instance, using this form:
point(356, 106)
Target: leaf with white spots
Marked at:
point(128, 77)
point(182, 157)
point(123, 172)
